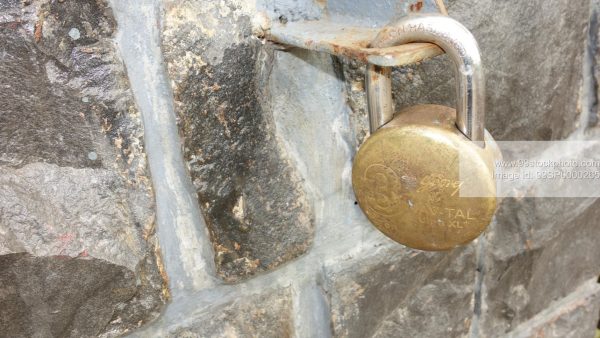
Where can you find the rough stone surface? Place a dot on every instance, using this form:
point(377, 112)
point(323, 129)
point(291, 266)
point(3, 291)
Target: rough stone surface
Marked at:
point(521, 104)
point(399, 290)
point(531, 95)
point(525, 224)
point(40, 297)
point(265, 315)
point(77, 245)
point(594, 63)
point(555, 254)
point(575, 316)
point(251, 196)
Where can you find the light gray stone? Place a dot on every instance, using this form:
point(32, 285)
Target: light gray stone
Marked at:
point(263, 315)
point(47, 210)
point(533, 55)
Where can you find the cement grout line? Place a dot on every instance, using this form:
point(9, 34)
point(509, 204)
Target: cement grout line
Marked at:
point(478, 298)
point(183, 237)
point(312, 315)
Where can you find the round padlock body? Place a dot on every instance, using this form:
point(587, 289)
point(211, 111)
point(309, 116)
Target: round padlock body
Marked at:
point(411, 177)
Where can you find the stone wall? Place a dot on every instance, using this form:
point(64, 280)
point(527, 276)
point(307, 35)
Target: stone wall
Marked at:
point(77, 244)
point(250, 148)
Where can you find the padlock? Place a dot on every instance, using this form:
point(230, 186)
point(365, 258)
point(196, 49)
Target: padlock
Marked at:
point(411, 174)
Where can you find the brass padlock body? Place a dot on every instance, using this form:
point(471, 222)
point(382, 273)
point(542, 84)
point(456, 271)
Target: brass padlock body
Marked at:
point(406, 179)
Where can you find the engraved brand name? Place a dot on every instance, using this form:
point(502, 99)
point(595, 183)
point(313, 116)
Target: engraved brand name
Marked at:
point(450, 217)
point(398, 32)
point(442, 36)
point(459, 214)
point(436, 183)
point(413, 28)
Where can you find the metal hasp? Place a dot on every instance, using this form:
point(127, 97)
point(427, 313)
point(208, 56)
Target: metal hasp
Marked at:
point(350, 41)
point(342, 39)
point(423, 36)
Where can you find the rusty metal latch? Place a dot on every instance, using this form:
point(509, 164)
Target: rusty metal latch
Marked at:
point(342, 40)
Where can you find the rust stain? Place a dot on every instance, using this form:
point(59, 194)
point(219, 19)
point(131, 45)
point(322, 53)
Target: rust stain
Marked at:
point(322, 4)
point(39, 25)
point(38, 31)
point(350, 51)
point(417, 6)
point(66, 238)
point(162, 271)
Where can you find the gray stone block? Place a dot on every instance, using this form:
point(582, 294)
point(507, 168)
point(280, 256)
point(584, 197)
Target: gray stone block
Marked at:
point(251, 195)
point(262, 315)
point(398, 292)
point(575, 316)
point(553, 252)
point(41, 298)
point(533, 55)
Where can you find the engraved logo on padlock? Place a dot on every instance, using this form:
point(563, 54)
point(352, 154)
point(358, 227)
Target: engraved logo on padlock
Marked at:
point(406, 176)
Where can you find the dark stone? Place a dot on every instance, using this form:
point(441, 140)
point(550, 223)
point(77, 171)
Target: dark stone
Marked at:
point(403, 291)
point(38, 121)
point(61, 98)
point(66, 25)
point(251, 196)
point(40, 297)
point(353, 73)
point(48, 211)
point(576, 316)
point(551, 260)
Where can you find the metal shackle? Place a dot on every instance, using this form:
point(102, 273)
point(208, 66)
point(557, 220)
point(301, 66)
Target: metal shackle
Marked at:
point(458, 42)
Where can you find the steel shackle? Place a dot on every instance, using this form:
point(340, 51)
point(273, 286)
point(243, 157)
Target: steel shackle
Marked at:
point(458, 42)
